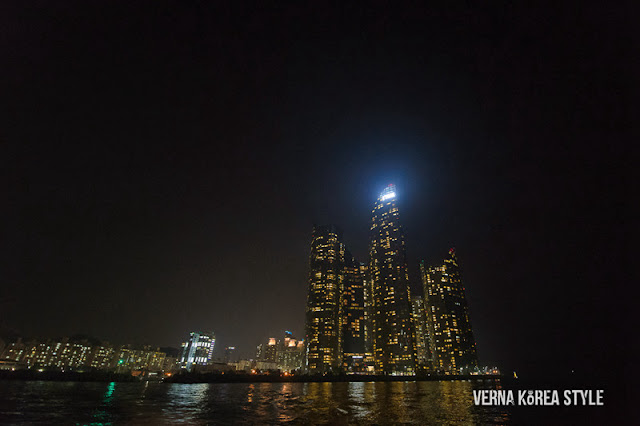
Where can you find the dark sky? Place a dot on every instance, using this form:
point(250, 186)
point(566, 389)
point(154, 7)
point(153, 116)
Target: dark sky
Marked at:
point(163, 165)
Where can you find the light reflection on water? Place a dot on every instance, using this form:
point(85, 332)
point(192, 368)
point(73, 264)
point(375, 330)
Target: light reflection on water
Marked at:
point(246, 403)
point(101, 415)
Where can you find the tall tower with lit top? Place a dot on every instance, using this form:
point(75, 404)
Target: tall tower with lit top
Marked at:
point(393, 334)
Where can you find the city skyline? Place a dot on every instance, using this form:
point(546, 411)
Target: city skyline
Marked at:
point(342, 300)
point(162, 172)
point(360, 319)
point(388, 195)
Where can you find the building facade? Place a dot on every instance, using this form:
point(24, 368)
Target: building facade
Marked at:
point(291, 354)
point(229, 354)
point(63, 355)
point(82, 355)
point(324, 309)
point(423, 339)
point(453, 344)
point(353, 317)
point(15, 351)
point(368, 318)
point(102, 357)
point(130, 358)
point(198, 350)
point(393, 334)
point(268, 352)
point(286, 355)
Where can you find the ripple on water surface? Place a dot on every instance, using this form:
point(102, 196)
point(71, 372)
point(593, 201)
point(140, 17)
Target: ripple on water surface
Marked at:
point(245, 403)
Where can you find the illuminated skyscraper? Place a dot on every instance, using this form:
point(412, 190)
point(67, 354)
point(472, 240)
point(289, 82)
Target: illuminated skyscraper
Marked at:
point(324, 310)
point(198, 350)
point(423, 339)
point(393, 334)
point(353, 316)
point(454, 348)
point(368, 317)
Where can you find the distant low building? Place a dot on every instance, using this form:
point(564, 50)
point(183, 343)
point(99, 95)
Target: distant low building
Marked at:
point(63, 355)
point(14, 351)
point(6, 364)
point(266, 366)
point(129, 359)
point(170, 364)
point(229, 354)
point(245, 365)
point(82, 355)
point(102, 357)
point(286, 355)
point(213, 367)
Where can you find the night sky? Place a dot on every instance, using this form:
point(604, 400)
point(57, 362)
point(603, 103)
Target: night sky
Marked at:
point(163, 164)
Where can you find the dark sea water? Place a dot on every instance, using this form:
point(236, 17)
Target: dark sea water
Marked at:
point(447, 402)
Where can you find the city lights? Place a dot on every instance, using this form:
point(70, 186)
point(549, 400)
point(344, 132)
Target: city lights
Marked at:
point(387, 196)
point(360, 319)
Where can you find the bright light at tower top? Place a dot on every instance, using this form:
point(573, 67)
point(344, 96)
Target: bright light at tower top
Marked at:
point(388, 193)
point(387, 196)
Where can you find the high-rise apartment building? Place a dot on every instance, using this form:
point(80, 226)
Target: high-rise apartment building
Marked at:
point(198, 350)
point(79, 354)
point(286, 355)
point(64, 354)
point(15, 351)
point(368, 317)
point(423, 339)
point(453, 345)
point(353, 336)
point(291, 354)
point(130, 358)
point(393, 334)
point(102, 357)
point(324, 309)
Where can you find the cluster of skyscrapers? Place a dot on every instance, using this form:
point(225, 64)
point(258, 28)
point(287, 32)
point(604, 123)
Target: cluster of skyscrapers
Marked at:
point(361, 317)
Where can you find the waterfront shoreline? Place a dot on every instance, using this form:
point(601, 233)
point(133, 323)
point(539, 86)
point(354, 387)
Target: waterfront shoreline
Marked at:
point(228, 378)
point(188, 378)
